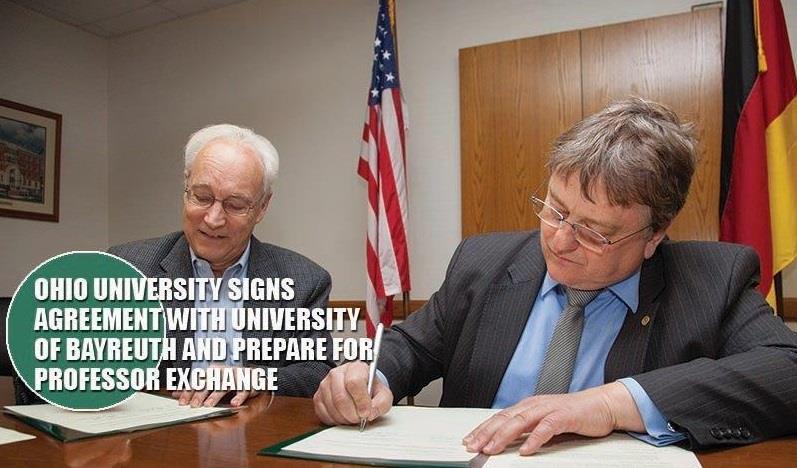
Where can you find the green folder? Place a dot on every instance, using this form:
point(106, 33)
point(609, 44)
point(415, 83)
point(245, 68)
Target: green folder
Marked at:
point(66, 434)
point(278, 450)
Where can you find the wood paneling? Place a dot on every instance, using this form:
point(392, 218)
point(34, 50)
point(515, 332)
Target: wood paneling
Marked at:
point(790, 308)
point(515, 98)
point(675, 60)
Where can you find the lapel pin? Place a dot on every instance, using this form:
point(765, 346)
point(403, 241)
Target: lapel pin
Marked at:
point(645, 320)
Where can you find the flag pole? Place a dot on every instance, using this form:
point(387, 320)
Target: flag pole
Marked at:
point(779, 307)
point(391, 6)
point(405, 297)
point(405, 309)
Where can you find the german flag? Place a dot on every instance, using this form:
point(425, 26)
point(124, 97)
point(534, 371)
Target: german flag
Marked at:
point(758, 187)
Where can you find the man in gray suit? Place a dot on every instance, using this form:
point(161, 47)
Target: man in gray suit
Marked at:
point(229, 176)
point(596, 322)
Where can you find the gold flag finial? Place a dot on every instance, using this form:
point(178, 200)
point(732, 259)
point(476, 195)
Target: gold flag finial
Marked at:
point(762, 58)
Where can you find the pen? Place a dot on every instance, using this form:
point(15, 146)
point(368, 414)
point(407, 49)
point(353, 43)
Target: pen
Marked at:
point(372, 367)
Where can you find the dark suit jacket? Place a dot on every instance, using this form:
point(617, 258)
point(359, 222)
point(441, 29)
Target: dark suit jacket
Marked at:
point(169, 257)
point(712, 357)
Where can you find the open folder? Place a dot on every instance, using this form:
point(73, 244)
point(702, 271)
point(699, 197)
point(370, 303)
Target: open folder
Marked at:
point(142, 411)
point(415, 436)
point(407, 436)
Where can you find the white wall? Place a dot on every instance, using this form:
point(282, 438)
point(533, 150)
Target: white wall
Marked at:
point(50, 65)
point(297, 72)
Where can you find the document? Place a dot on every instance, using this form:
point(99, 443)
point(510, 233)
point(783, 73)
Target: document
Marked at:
point(615, 450)
point(141, 411)
point(406, 435)
point(433, 437)
point(8, 436)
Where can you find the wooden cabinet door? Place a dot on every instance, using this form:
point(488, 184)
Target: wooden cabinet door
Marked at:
point(675, 60)
point(516, 97)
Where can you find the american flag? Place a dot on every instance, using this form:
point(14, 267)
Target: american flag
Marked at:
point(382, 164)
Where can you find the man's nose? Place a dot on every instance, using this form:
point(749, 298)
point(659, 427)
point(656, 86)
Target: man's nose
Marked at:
point(564, 240)
point(215, 216)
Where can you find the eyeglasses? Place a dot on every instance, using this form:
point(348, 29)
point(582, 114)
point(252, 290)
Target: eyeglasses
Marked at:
point(589, 238)
point(234, 206)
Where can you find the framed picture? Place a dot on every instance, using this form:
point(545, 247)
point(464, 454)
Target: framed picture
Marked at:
point(30, 156)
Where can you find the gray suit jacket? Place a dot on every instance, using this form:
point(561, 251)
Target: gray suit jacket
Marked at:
point(169, 257)
point(713, 358)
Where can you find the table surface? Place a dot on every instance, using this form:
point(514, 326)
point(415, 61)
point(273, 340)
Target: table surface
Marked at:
point(235, 440)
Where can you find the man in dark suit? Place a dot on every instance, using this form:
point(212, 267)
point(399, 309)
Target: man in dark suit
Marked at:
point(596, 322)
point(229, 175)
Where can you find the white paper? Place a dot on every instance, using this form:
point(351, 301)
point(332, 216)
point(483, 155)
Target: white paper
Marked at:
point(435, 435)
point(407, 433)
point(8, 436)
point(616, 450)
point(142, 409)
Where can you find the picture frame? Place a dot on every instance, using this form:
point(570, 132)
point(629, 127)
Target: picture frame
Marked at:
point(30, 161)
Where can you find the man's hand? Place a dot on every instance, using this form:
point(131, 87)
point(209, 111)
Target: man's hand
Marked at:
point(342, 397)
point(208, 399)
point(594, 412)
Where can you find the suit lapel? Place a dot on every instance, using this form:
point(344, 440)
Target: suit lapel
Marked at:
point(177, 264)
point(503, 318)
point(627, 356)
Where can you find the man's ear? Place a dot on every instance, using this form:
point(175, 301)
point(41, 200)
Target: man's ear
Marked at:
point(263, 207)
point(654, 241)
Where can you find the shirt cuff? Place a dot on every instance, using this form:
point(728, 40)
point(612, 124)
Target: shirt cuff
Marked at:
point(659, 431)
point(382, 378)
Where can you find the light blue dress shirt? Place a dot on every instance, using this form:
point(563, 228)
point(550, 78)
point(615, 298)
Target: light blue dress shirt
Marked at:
point(202, 270)
point(603, 318)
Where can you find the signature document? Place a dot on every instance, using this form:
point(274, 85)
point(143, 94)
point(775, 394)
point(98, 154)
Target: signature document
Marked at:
point(615, 450)
point(8, 436)
point(433, 437)
point(408, 434)
point(141, 411)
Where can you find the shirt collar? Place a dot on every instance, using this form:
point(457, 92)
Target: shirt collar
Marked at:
point(202, 267)
point(626, 290)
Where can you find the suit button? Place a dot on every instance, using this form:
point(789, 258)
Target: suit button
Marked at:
point(737, 433)
point(715, 432)
point(745, 433)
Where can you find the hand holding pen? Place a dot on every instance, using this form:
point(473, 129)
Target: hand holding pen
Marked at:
point(344, 396)
point(380, 329)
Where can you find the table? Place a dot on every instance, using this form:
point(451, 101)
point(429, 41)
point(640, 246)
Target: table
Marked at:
point(234, 441)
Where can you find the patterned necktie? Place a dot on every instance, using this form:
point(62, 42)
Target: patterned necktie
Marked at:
point(557, 368)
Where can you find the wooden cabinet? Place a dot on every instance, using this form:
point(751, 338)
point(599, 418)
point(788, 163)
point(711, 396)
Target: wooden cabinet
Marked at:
point(516, 97)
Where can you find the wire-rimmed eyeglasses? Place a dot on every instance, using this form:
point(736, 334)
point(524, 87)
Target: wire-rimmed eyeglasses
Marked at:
point(588, 237)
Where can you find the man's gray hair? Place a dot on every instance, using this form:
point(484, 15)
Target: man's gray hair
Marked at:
point(242, 136)
point(638, 149)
